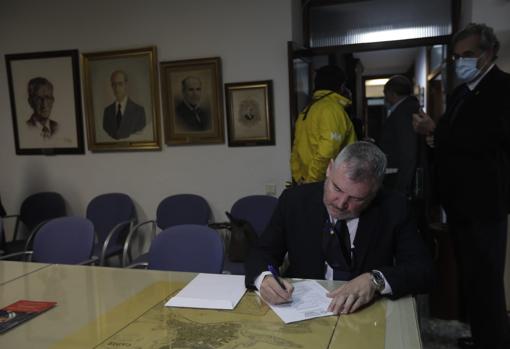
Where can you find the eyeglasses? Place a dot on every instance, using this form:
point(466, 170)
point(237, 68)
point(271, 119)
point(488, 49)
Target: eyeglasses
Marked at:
point(469, 54)
point(42, 99)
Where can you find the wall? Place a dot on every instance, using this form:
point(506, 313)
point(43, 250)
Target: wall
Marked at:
point(249, 36)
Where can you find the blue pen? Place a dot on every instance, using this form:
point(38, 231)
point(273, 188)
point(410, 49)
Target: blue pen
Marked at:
point(274, 272)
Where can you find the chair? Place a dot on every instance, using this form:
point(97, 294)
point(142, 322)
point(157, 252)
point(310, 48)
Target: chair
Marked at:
point(113, 216)
point(173, 210)
point(35, 210)
point(257, 210)
point(64, 240)
point(188, 247)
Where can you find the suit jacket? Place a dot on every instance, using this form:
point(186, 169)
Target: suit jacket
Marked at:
point(400, 144)
point(386, 240)
point(52, 124)
point(133, 120)
point(472, 142)
point(191, 121)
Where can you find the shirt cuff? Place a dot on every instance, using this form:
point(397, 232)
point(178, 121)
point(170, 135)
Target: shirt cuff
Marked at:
point(260, 278)
point(387, 286)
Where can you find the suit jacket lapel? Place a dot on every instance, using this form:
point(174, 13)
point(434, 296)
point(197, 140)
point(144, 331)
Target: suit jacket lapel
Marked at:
point(366, 234)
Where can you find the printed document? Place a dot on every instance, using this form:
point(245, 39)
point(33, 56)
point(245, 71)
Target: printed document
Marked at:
point(210, 291)
point(309, 301)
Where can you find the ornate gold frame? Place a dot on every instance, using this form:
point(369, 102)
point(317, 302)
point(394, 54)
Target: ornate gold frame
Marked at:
point(140, 65)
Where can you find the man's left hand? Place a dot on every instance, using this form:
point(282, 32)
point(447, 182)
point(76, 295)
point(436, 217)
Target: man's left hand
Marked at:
point(351, 296)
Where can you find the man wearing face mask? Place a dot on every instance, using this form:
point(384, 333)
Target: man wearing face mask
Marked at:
point(472, 149)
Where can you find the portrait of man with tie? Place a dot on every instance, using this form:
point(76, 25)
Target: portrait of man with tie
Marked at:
point(123, 117)
point(192, 114)
point(41, 99)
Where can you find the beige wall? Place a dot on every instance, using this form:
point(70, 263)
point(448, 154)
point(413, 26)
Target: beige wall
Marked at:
point(249, 36)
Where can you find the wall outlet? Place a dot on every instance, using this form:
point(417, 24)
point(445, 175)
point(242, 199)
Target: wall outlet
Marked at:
point(271, 189)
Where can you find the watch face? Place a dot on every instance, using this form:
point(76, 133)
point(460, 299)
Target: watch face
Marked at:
point(378, 281)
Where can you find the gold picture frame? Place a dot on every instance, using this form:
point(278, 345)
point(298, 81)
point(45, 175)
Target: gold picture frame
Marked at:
point(250, 120)
point(192, 101)
point(122, 100)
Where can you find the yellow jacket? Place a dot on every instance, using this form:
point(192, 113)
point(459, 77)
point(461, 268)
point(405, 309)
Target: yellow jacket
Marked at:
point(320, 137)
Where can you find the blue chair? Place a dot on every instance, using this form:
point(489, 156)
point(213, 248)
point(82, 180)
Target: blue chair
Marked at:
point(113, 216)
point(188, 247)
point(173, 210)
point(65, 240)
point(256, 210)
point(35, 210)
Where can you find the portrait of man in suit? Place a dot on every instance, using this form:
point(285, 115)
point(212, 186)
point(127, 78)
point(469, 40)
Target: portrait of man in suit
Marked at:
point(41, 99)
point(123, 117)
point(190, 114)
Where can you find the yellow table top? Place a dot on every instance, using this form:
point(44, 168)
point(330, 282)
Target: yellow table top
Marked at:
point(115, 308)
point(10, 270)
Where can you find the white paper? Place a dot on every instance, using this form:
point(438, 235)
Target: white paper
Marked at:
point(210, 291)
point(309, 301)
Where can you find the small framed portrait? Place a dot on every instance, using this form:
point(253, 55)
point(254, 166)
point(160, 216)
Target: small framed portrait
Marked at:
point(122, 100)
point(192, 101)
point(250, 113)
point(45, 98)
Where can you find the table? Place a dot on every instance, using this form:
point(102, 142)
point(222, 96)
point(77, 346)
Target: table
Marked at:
point(10, 270)
point(116, 308)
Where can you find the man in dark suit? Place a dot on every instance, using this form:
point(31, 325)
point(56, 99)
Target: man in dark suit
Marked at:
point(472, 152)
point(41, 99)
point(123, 117)
point(398, 140)
point(190, 115)
point(343, 229)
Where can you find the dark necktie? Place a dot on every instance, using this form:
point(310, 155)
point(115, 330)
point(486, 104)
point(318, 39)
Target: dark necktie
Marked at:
point(336, 247)
point(46, 133)
point(118, 116)
point(342, 232)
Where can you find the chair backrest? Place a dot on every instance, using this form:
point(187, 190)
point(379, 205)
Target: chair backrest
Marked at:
point(65, 240)
point(256, 209)
point(107, 210)
point(40, 207)
point(182, 209)
point(189, 247)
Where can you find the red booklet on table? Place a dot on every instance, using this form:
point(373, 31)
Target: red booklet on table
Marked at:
point(21, 311)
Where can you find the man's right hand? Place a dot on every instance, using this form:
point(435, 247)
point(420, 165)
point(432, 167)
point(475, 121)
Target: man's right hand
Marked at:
point(273, 293)
point(423, 124)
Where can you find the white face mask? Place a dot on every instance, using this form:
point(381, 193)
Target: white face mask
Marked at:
point(465, 68)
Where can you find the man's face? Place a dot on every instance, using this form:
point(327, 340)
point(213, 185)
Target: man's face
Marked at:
point(344, 198)
point(42, 101)
point(119, 86)
point(192, 91)
point(469, 47)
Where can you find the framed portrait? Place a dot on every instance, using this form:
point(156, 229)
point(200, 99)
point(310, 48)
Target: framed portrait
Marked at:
point(250, 113)
point(122, 100)
point(192, 101)
point(45, 98)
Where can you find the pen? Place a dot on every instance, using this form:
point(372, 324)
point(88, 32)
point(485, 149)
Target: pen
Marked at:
point(274, 272)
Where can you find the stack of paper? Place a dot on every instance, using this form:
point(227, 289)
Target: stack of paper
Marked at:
point(210, 291)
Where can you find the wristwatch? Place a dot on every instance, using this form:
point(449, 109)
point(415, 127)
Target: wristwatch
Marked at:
point(378, 280)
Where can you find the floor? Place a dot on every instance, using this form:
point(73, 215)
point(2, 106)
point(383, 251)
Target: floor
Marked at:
point(442, 334)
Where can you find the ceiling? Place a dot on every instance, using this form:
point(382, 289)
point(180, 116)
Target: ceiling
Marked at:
point(387, 62)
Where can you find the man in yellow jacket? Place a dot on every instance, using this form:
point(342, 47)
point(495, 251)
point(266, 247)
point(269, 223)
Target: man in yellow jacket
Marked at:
point(323, 128)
